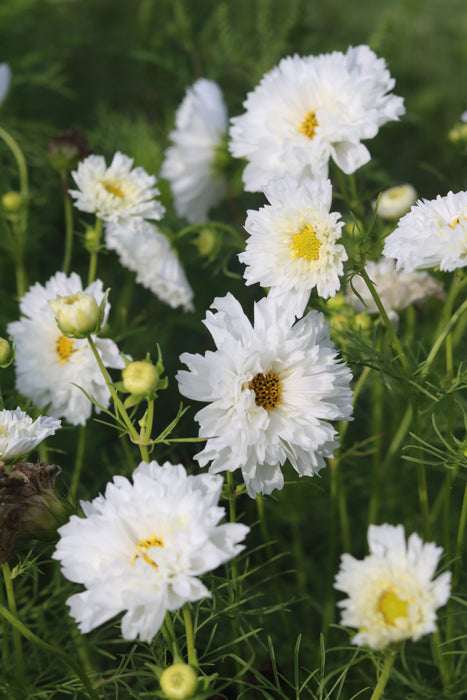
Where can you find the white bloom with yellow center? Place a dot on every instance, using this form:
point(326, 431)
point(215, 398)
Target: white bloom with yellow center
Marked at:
point(396, 289)
point(117, 192)
point(432, 234)
point(391, 593)
point(48, 364)
point(145, 250)
point(190, 164)
point(309, 109)
point(272, 389)
point(19, 434)
point(293, 246)
point(396, 201)
point(142, 546)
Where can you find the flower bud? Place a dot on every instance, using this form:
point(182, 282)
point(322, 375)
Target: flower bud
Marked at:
point(5, 351)
point(179, 681)
point(140, 378)
point(77, 315)
point(396, 201)
point(11, 202)
point(65, 150)
point(206, 242)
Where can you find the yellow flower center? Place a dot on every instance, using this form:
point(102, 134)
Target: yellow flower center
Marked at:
point(143, 547)
point(113, 187)
point(65, 349)
point(392, 607)
point(267, 390)
point(305, 244)
point(308, 125)
point(456, 222)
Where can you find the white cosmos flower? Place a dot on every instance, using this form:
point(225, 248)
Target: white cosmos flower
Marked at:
point(391, 594)
point(190, 164)
point(309, 109)
point(48, 364)
point(272, 389)
point(432, 234)
point(396, 201)
point(5, 78)
point(396, 289)
point(141, 547)
point(19, 434)
point(293, 246)
point(145, 250)
point(117, 192)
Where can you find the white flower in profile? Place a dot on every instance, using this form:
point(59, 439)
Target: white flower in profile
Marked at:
point(396, 289)
point(5, 78)
point(117, 192)
point(391, 593)
point(19, 434)
point(293, 246)
point(49, 364)
point(309, 109)
point(272, 389)
point(142, 546)
point(432, 234)
point(396, 201)
point(190, 164)
point(142, 248)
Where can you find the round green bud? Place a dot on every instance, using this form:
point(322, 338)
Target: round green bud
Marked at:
point(179, 681)
point(206, 241)
point(77, 315)
point(11, 202)
point(140, 378)
point(5, 350)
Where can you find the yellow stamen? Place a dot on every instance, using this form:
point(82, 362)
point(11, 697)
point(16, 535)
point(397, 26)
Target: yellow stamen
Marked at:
point(113, 187)
point(64, 349)
point(267, 390)
point(305, 244)
point(309, 124)
point(392, 607)
point(143, 546)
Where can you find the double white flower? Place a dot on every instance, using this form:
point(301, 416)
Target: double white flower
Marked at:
point(272, 389)
point(19, 434)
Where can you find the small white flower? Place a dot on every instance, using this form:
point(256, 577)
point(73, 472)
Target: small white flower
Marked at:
point(201, 128)
point(392, 596)
point(117, 192)
point(5, 78)
point(396, 289)
point(145, 250)
point(142, 546)
point(19, 434)
point(292, 246)
point(272, 389)
point(48, 364)
point(396, 201)
point(432, 234)
point(309, 109)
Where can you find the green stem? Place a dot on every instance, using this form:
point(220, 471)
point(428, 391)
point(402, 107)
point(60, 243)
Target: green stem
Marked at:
point(95, 252)
point(146, 431)
point(233, 519)
point(421, 476)
point(190, 637)
point(390, 328)
point(457, 566)
point(78, 460)
point(384, 677)
point(441, 338)
point(377, 427)
point(50, 650)
point(170, 632)
point(10, 596)
point(68, 208)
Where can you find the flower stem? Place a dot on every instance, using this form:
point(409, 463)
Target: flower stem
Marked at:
point(78, 460)
point(384, 677)
point(95, 252)
point(50, 650)
point(68, 208)
point(10, 596)
point(169, 636)
point(190, 637)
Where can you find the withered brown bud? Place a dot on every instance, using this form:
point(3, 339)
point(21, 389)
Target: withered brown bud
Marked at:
point(28, 502)
point(67, 149)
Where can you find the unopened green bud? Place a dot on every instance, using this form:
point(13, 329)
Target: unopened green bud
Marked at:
point(140, 378)
point(11, 202)
point(179, 681)
point(206, 241)
point(77, 315)
point(5, 350)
